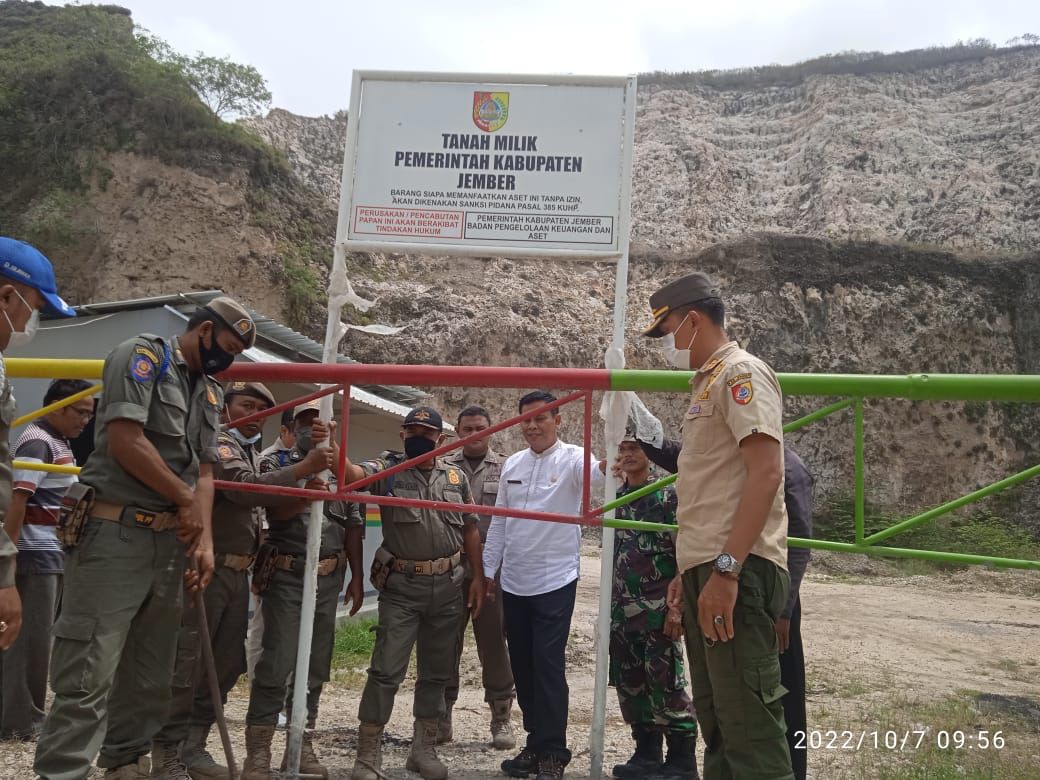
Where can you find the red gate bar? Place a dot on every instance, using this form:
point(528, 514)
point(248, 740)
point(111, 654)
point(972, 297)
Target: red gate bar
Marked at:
point(368, 498)
point(437, 376)
point(586, 471)
point(344, 423)
point(444, 448)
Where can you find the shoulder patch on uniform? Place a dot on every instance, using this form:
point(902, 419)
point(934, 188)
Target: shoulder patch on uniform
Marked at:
point(142, 369)
point(719, 368)
point(148, 353)
point(211, 395)
point(454, 477)
point(225, 452)
point(737, 379)
point(743, 392)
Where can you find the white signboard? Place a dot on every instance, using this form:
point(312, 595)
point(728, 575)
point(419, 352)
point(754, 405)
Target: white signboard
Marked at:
point(507, 165)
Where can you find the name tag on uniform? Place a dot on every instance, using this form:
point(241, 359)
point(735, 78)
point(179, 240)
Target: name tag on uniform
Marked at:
point(514, 482)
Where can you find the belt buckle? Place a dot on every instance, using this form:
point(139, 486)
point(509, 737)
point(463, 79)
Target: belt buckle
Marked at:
point(143, 518)
point(417, 568)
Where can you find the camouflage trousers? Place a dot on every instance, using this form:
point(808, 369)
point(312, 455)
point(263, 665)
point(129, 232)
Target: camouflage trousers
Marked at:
point(647, 669)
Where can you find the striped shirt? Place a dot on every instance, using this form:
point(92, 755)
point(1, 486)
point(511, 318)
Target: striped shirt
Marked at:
point(39, 551)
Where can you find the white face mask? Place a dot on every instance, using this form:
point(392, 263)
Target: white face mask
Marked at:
point(243, 438)
point(19, 338)
point(680, 358)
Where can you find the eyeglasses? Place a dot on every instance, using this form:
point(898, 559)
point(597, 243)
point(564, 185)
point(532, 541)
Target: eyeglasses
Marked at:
point(83, 414)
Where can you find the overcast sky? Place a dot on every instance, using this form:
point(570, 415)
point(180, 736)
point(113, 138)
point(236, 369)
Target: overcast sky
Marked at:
point(307, 49)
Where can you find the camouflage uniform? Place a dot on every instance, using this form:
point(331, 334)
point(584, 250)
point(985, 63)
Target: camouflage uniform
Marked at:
point(646, 666)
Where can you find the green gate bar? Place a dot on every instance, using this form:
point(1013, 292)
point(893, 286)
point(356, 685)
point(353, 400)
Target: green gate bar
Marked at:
point(949, 506)
point(962, 559)
point(913, 387)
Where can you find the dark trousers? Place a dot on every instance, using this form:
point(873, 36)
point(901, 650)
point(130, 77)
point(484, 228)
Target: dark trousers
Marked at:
point(227, 613)
point(792, 677)
point(537, 628)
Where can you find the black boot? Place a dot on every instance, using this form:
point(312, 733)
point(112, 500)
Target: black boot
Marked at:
point(525, 763)
point(646, 759)
point(681, 763)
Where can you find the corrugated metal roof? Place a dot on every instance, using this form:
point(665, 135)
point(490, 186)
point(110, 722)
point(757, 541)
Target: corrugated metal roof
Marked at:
point(274, 334)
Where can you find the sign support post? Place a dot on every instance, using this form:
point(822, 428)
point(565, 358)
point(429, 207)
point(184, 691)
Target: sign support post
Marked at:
point(606, 556)
point(333, 333)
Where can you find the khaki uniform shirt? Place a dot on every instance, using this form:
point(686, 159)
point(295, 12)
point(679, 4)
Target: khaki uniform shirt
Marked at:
point(734, 395)
point(290, 536)
point(483, 481)
point(8, 551)
point(147, 381)
point(237, 514)
point(414, 534)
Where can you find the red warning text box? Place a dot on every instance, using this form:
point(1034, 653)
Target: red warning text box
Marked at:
point(425, 223)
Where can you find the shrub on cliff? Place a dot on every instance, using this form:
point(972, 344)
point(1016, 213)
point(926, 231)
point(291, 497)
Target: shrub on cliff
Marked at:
point(76, 84)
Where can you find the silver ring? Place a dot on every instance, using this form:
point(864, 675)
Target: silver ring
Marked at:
point(3, 626)
point(719, 620)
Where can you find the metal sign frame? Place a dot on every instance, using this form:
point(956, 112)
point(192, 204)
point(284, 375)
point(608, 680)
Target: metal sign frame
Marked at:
point(346, 204)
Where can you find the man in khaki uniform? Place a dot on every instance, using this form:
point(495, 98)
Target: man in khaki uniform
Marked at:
point(280, 451)
point(482, 466)
point(26, 286)
point(732, 542)
point(179, 749)
point(342, 532)
point(418, 573)
point(152, 472)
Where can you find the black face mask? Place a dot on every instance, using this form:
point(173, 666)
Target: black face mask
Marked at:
point(214, 359)
point(414, 446)
point(303, 440)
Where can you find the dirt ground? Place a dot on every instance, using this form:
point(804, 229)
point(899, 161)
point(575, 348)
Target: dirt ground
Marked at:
point(872, 645)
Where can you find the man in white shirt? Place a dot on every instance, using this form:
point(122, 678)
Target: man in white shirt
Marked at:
point(539, 564)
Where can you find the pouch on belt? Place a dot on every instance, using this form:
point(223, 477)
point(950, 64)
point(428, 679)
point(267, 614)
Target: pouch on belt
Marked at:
point(382, 565)
point(74, 513)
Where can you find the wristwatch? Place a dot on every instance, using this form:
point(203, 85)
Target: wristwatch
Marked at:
point(726, 565)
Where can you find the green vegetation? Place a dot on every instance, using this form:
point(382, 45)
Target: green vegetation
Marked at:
point(80, 83)
point(302, 288)
point(981, 532)
point(228, 88)
point(353, 649)
point(76, 85)
point(842, 63)
point(958, 739)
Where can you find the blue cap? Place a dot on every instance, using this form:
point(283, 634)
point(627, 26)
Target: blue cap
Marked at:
point(23, 263)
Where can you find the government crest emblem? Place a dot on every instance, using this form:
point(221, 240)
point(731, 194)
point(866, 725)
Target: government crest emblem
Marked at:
point(490, 110)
